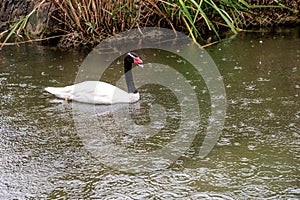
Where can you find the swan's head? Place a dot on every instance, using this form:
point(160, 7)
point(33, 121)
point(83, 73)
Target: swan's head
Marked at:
point(134, 58)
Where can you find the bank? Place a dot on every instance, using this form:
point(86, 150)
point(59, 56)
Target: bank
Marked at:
point(80, 23)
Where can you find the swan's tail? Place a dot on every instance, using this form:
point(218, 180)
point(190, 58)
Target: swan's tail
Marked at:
point(60, 92)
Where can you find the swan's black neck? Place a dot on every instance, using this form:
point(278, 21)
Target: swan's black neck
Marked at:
point(128, 76)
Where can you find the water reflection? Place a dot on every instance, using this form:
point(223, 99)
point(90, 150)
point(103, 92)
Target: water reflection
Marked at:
point(257, 155)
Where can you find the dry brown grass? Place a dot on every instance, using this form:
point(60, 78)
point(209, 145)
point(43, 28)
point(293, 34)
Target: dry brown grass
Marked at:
point(92, 20)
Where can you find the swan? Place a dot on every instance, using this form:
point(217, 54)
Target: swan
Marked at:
point(98, 92)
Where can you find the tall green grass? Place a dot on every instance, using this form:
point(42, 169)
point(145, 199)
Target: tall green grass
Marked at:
point(199, 15)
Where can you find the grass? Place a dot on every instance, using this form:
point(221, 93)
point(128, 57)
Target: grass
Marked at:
point(198, 16)
point(89, 21)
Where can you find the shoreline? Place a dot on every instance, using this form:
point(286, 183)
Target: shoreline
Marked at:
point(41, 21)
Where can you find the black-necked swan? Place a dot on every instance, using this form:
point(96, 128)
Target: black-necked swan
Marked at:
point(97, 92)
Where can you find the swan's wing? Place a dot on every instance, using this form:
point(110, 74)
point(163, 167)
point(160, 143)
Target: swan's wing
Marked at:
point(97, 92)
point(94, 92)
point(106, 93)
point(109, 94)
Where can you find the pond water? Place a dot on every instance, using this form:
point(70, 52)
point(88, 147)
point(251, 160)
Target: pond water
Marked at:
point(256, 156)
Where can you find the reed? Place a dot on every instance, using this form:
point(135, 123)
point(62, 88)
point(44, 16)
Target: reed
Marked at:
point(93, 20)
point(89, 21)
point(99, 18)
point(96, 19)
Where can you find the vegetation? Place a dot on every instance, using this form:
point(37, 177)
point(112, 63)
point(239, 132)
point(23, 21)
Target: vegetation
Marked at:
point(86, 22)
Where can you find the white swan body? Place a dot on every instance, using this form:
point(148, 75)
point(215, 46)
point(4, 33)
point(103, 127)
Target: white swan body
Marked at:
point(97, 92)
point(94, 92)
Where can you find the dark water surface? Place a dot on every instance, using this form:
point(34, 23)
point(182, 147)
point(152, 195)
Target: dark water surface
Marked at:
point(257, 155)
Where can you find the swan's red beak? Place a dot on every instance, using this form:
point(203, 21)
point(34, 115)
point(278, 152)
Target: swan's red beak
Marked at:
point(138, 61)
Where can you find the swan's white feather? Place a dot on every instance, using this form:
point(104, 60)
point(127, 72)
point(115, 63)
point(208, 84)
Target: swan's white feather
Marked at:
point(94, 92)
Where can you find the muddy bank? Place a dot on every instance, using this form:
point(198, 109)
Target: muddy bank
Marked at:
point(38, 23)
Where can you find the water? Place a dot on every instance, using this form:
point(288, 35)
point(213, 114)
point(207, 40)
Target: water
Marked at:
point(257, 155)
